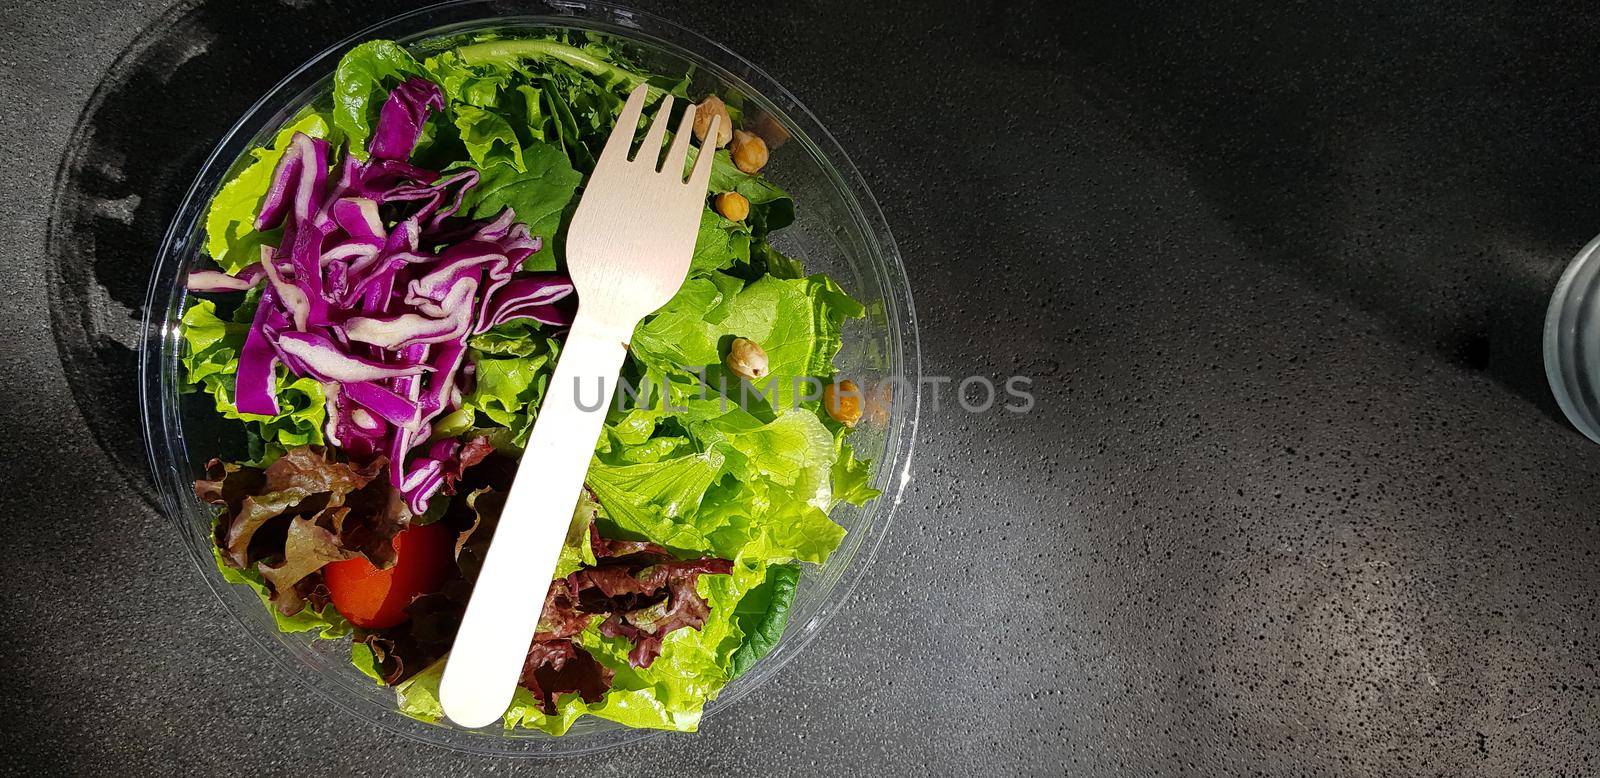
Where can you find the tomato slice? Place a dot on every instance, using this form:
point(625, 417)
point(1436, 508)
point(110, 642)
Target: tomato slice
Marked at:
point(376, 599)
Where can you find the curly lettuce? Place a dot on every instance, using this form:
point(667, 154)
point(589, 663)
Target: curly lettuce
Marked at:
point(210, 358)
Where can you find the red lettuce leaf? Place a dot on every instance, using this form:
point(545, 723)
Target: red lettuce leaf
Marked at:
point(678, 604)
point(308, 509)
point(303, 511)
point(559, 667)
point(306, 548)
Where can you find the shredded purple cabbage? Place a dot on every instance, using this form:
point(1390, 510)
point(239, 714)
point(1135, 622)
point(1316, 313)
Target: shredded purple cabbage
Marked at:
point(375, 288)
point(218, 281)
point(534, 298)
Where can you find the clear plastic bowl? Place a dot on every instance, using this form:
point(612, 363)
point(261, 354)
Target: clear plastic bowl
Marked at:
point(1572, 341)
point(838, 230)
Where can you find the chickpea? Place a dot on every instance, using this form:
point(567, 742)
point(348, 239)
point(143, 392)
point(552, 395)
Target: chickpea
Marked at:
point(746, 359)
point(843, 401)
point(769, 129)
point(709, 107)
point(732, 206)
point(749, 151)
point(880, 400)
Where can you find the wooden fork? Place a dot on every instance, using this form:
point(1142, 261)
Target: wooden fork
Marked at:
point(628, 251)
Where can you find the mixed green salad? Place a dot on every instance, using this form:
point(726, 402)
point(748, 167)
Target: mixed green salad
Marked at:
point(386, 307)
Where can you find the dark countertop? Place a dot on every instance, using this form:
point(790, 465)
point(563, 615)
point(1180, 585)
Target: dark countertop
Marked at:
point(1293, 499)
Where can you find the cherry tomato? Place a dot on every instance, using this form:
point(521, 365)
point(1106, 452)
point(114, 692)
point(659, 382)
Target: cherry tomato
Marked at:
point(376, 599)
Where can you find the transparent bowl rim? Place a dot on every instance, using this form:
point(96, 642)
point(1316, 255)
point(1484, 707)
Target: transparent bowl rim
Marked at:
point(1566, 367)
point(158, 352)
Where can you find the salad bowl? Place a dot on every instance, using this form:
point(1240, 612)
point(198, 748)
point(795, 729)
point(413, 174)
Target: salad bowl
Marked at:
point(838, 230)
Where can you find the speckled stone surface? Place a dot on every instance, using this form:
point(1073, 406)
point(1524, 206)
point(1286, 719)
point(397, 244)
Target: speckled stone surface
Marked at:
point(1293, 498)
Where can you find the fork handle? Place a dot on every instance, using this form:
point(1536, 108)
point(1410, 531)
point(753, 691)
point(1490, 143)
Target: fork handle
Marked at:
point(503, 613)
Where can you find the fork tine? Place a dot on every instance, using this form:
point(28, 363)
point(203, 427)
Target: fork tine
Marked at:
point(621, 138)
point(680, 143)
point(650, 150)
point(700, 179)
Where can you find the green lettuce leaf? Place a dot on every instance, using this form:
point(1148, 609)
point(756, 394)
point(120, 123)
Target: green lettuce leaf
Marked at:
point(759, 490)
point(211, 360)
point(646, 451)
point(231, 237)
point(771, 208)
point(516, 338)
point(657, 500)
point(851, 478)
point(506, 387)
point(719, 245)
point(418, 696)
point(576, 551)
point(794, 452)
point(367, 662)
point(513, 364)
point(797, 322)
point(759, 524)
point(361, 84)
point(327, 623)
point(483, 86)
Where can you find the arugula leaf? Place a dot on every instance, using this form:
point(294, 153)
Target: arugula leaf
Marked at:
point(765, 259)
point(541, 193)
point(362, 82)
point(488, 138)
point(231, 236)
point(564, 130)
point(533, 113)
point(505, 52)
point(762, 614)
